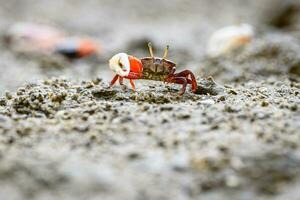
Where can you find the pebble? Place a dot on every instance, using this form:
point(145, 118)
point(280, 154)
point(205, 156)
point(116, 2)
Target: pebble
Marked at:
point(207, 102)
point(264, 103)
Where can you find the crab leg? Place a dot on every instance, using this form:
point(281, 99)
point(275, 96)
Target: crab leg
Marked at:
point(179, 80)
point(113, 81)
point(185, 74)
point(130, 76)
point(171, 75)
point(133, 75)
point(132, 84)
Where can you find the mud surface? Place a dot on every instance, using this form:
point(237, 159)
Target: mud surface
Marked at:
point(64, 134)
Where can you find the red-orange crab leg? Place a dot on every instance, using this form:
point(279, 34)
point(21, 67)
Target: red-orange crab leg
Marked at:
point(179, 80)
point(172, 72)
point(133, 75)
point(132, 84)
point(173, 78)
point(130, 76)
point(113, 81)
point(185, 74)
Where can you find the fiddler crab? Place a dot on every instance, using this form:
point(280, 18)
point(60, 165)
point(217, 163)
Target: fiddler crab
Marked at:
point(150, 68)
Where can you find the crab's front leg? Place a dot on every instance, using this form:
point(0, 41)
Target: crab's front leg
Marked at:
point(132, 76)
point(113, 81)
point(116, 77)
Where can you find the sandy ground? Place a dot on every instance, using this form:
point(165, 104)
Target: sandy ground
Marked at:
point(65, 135)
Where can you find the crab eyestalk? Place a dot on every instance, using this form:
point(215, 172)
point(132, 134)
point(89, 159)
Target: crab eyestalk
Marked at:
point(150, 49)
point(166, 52)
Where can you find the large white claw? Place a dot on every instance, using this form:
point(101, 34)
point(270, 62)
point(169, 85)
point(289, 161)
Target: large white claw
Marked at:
point(120, 64)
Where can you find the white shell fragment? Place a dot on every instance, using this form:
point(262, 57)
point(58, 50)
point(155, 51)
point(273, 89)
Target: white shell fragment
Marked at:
point(228, 39)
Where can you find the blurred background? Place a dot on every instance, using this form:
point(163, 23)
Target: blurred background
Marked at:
point(127, 26)
point(63, 139)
